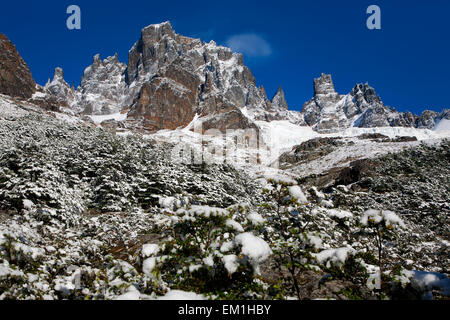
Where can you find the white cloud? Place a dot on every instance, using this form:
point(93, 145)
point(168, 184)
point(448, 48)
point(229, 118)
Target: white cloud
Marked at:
point(249, 44)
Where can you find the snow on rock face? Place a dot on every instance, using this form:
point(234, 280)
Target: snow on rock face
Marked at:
point(103, 88)
point(60, 90)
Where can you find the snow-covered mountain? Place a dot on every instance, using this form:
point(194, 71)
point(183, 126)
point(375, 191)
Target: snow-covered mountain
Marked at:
point(329, 111)
point(171, 79)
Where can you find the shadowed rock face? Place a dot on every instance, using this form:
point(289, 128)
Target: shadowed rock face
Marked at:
point(15, 76)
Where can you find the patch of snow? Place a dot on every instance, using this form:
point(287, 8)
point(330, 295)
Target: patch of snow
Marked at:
point(298, 194)
point(231, 263)
point(256, 219)
point(234, 225)
point(442, 125)
point(115, 116)
point(253, 247)
point(334, 256)
point(379, 216)
point(149, 250)
point(181, 295)
point(340, 214)
point(148, 266)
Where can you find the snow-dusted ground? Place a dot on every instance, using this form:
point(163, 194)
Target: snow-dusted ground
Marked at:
point(282, 136)
point(115, 116)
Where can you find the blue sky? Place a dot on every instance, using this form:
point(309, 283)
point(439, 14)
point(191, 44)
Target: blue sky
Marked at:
point(285, 43)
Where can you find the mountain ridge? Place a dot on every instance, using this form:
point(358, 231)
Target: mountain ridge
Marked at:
point(171, 79)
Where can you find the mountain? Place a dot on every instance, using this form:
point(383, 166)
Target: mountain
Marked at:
point(171, 79)
point(103, 87)
point(329, 111)
point(15, 76)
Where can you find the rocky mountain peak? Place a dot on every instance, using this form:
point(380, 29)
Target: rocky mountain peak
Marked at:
point(171, 78)
point(103, 87)
point(279, 101)
point(366, 93)
point(156, 32)
point(59, 90)
point(58, 75)
point(324, 85)
point(15, 76)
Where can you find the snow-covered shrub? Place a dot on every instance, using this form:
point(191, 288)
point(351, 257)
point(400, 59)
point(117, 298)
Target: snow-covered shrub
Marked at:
point(290, 230)
point(210, 253)
point(382, 226)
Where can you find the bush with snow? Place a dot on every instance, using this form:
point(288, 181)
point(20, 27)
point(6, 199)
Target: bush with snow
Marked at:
point(382, 226)
point(290, 230)
point(211, 253)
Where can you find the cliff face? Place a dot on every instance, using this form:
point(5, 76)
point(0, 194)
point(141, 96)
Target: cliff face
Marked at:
point(172, 78)
point(15, 76)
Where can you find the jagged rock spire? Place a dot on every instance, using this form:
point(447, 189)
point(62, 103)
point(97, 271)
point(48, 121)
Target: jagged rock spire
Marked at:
point(279, 101)
point(324, 85)
point(58, 74)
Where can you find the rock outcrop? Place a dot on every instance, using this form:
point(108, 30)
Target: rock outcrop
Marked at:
point(330, 112)
point(172, 78)
point(60, 90)
point(326, 109)
point(15, 76)
point(103, 88)
point(278, 101)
